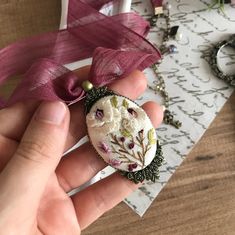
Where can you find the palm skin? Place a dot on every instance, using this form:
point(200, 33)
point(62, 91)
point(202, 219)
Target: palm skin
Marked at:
point(48, 209)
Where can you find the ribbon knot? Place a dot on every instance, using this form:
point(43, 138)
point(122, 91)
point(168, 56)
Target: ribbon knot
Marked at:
point(117, 44)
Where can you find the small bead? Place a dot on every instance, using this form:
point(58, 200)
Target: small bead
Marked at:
point(167, 6)
point(172, 49)
point(131, 145)
point(86, 85)
point(178, 36)
point(158, 87)
point(134, 165)
point(159, 61)
point(131, 167)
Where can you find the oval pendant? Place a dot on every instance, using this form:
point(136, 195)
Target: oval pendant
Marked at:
point(122, 134)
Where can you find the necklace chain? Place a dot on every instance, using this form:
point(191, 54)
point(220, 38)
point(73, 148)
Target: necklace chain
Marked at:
point(160, 87)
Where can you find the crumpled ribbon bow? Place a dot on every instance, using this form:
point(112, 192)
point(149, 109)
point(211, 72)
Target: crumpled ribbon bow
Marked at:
point(117, 43)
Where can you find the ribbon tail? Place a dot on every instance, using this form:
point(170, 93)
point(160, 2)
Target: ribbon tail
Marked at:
point(56, 83)
point(109, 65)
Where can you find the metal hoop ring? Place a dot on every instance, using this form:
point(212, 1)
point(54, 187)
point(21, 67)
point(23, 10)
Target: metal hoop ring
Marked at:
point(230, 79)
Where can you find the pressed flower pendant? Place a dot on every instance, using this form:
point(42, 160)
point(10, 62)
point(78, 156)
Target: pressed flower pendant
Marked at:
point(122, 134)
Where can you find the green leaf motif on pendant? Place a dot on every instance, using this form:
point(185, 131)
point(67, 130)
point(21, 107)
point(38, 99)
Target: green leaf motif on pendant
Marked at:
point(125, 133)
point(125, 104)
point(151, 138)
point(114, 101)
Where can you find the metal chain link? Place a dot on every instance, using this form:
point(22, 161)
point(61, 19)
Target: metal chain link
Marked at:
point(169, 116)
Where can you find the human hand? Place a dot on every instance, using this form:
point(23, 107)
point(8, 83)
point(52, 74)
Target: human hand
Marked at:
point(34, 180)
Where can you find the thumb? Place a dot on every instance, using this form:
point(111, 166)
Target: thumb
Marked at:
point(23, 181)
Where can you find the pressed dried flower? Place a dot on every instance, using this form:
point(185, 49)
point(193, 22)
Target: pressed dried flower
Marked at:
point(131, 145)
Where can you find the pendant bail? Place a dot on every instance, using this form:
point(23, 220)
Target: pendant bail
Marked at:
point(87, 85)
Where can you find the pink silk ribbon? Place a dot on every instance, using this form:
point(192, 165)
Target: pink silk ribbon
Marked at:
point(117, 43)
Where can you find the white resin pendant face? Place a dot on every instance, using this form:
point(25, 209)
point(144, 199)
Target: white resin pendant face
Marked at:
point(122, 133)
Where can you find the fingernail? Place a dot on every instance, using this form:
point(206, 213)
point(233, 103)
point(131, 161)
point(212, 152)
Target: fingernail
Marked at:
point(51, 112)
point(163, 108)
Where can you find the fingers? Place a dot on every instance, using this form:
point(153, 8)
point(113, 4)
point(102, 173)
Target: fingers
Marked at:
point(16, 119)
point(8, 148)
point(132, 87)
point(78, 167)
point(24, 178)
point(83, 163)
point(100, 197)
point(56, 214)
point(154, 112)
